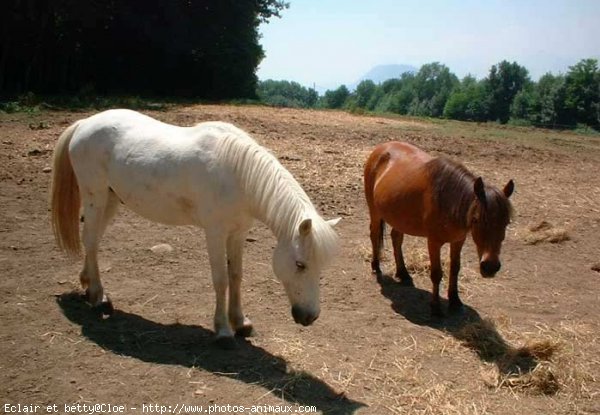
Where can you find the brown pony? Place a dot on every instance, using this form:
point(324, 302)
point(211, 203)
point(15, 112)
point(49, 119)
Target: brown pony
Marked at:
point(439, 199)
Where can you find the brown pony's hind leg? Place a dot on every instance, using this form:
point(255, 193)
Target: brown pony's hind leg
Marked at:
point(401, 271)
point(434, 248)
point(377, 228)
point(454, 303)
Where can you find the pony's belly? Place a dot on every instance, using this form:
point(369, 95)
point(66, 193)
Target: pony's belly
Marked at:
point(163, 204)
point(162, 193)
point(169, 211)
point(406, 217)
point(417, 225)
point(409, 227)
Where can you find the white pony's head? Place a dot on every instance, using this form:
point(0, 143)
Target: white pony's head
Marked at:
point(298, 262)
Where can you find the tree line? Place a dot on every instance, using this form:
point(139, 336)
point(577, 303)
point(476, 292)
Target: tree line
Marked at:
point(176, 48)
point(210, 49)
point(506, 95)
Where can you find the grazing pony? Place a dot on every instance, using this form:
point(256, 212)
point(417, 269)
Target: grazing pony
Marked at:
point(212, 175)
point(439, 199)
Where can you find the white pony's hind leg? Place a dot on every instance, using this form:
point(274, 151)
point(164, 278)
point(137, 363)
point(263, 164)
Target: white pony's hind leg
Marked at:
point(98, 210)
point(240, 323)
point(216, 244)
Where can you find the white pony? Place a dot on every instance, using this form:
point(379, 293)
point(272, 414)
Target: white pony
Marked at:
point(212, 175)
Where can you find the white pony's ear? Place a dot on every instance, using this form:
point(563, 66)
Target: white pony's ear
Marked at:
point(305, 227)
point(333, 222)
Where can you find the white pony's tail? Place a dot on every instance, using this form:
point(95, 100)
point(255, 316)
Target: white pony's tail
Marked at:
point(65, 196)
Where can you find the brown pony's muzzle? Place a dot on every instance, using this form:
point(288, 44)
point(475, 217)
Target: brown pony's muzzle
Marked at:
point(488, 268)
point(301, 316)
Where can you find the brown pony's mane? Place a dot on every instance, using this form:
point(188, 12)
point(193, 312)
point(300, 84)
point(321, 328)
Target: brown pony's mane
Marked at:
point(454, 194)
point(452, 187)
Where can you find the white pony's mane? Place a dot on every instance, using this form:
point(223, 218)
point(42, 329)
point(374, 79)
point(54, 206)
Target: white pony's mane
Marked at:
point(276, 198)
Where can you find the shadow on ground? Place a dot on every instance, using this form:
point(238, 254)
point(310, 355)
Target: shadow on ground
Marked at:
point(474, 332)
point(193, 346)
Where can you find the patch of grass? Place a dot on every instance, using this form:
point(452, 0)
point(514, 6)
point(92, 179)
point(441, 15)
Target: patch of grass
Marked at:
point(586, 130)
point(105, 102)
point(87, 100)
point(26, 103)
point(239, 102)
point(31, 103)
point(519, 122)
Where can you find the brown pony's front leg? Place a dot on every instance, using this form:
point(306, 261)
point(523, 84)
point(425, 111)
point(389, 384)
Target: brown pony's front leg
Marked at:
point(454, 303)
point(434, 248)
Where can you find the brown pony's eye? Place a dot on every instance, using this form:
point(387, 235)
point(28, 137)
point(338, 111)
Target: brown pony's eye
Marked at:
point(301, 266)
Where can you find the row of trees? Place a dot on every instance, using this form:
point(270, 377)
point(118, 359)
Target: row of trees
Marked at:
point(209, 49)
point(506, 94)
point(197, 48)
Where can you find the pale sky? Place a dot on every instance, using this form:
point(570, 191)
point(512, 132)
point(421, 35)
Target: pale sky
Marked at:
point(332, 42)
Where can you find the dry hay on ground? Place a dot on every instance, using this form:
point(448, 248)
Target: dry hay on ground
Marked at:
point(527, 368)
point(546, 232)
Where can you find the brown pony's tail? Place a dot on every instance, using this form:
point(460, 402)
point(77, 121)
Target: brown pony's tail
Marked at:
point(65, 202)
point(382, 231)
point(376, 161)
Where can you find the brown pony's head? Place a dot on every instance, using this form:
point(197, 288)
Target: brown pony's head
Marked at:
point(489, 215)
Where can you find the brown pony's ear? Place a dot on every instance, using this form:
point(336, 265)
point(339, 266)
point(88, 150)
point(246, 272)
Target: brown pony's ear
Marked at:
point(509, 188)
point(479, 189)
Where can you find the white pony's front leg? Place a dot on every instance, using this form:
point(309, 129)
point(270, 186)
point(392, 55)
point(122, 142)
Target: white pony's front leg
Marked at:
point(215, 242)
point(235, 248)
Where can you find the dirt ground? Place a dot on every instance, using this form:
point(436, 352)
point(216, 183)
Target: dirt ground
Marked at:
point(528, 342)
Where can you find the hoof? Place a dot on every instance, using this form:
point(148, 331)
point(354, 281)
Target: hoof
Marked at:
point(375, 269)
point(245, 331)
point(87, 297)
point(226, 343)
point(105, 309)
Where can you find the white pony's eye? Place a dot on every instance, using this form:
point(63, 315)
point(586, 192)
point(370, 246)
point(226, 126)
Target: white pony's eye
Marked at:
point(300, 266)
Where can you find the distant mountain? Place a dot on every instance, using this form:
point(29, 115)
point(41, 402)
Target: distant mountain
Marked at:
point(382, 73)
point(377, 74)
